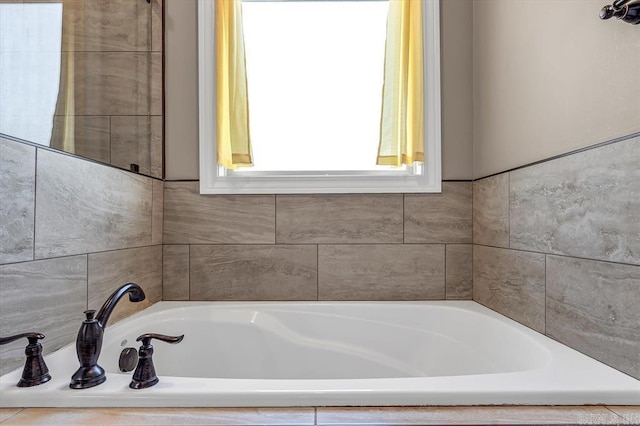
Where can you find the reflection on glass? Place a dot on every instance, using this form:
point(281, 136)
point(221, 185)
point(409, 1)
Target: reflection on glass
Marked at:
point(30, 47)
point(85, 77)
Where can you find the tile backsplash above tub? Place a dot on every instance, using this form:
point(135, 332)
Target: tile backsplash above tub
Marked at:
point(557, 247)
point(317, 247)
point(75, 231)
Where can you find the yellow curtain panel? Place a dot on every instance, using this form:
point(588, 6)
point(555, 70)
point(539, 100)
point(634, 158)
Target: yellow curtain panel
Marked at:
point(234, 143)
point(402, 119)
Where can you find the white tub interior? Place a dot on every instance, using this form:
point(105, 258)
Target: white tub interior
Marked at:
point(344, 353)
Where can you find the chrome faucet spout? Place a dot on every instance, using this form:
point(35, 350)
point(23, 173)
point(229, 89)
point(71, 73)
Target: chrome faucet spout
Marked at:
point(135, 295)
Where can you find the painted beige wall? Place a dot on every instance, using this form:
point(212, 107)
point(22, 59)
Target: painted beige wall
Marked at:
point(549, 77)
point(181, 85)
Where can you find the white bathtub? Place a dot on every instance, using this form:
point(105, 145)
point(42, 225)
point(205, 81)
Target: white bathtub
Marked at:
point(317, 354)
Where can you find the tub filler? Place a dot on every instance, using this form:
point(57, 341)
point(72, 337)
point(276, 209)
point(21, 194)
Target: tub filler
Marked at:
point(333, 353)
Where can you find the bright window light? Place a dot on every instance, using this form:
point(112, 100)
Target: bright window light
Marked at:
point(315, 75)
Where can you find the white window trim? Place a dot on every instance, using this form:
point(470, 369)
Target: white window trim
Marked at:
point(214, 181)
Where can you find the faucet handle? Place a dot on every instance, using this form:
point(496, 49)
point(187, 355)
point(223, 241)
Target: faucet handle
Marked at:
point(145, 374)
point(35, 370)
point(146, 338)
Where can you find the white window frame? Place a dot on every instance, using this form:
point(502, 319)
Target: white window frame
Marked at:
point(214, 180)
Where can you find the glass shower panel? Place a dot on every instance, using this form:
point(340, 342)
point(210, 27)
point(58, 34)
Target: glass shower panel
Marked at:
point(108, 102)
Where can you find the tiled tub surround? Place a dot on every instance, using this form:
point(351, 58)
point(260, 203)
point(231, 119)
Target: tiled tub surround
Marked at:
point(557, 247)
point(317, 247)
point(72, 231)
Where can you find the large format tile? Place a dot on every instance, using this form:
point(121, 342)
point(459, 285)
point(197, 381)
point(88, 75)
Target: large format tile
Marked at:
point(87, 136)
point(157, 211)
point(348, 218)
point(163, 416)
point(110, 270)
point(17, 194)
point(114, 25)
point(381, 272)
point(175, 272)
point(109, 83)
point(512, 283)
point(84, 207)
point(245, 272)
point(156, 147)
point(191, 218)
point(491, 211)
point(439, 218)
point(592, 306)
point(583, 205)
point(131, 142)
point(459, 271)
point(156, 25)
point(505, 415)
point(46, 296)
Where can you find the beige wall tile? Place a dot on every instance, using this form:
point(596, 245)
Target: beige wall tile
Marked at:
point(137, 139)
point(459, 271)
point(156, 25)
point(110, 83)
point(593, 307)
point(130, 142)
point(191, 218)
point(348, 218)
point(175, 272)
point(491, 211)
point(156, 147)
point(583, 205)
point(155, 84)
point(17, 194)
point(90, 136)
point(439, 218)
point(86, 207)
point(114, 25)
point(164, 416)
point(46, 296)
point(512, 283)
point(381, 272)
point(245, 272)
point(109, 270)
point(509, 415)
point(157, 211)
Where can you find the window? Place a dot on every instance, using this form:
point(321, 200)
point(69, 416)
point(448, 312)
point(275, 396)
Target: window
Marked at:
point(320, 175)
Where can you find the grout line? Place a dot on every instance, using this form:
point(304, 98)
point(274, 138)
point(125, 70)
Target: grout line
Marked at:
point(559, 255)
point(315, 415)
point(189, 272)
point(83, 254)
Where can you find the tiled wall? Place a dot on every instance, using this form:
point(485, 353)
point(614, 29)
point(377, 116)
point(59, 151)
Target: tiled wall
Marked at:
point(557, 248)
point(72, 231)
point(317, 247)
point(111, 82)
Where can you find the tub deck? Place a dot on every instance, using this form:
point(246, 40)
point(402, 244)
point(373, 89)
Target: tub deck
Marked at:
point(334, 354)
